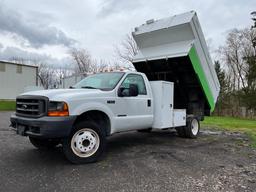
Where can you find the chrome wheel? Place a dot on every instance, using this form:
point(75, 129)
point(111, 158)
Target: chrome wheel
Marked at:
point(194, 127)
point(85, 142)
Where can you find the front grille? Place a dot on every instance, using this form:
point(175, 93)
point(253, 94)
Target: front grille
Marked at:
point(31, 106)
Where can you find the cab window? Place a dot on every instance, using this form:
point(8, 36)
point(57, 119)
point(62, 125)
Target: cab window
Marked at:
point(135, 79)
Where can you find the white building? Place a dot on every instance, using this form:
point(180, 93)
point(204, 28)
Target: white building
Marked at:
point(16, 78)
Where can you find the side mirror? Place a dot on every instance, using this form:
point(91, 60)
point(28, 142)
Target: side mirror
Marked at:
point(120, 92)
point(133, 90)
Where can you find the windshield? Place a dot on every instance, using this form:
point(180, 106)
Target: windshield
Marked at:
point(103, 81)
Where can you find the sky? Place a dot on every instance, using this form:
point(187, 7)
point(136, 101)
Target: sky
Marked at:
point(46, 30)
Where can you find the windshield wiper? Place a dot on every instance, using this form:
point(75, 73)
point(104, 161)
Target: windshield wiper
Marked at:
point(89, 87)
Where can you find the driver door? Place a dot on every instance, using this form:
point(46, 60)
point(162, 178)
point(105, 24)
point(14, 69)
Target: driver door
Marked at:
point(134, 112)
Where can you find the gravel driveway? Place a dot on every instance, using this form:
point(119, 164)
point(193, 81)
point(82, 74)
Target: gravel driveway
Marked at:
point(157, 161)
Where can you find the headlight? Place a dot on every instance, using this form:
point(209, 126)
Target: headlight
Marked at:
point(57, 109)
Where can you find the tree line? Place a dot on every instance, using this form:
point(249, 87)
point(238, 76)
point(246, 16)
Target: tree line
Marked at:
point(83, 63)
point(236, 71)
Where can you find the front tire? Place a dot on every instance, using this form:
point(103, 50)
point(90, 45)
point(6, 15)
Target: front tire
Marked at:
point(86, 143)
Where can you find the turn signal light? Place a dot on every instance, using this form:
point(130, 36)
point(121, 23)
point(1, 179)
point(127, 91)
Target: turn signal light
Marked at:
point(58, 109)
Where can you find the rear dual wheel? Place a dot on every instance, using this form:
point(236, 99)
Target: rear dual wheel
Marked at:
point(191, 130)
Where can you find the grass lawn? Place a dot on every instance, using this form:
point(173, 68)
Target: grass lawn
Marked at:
point(7, 105)
point(233, 124)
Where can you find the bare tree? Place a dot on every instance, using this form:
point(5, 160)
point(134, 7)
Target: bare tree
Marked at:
point(83, 60)
point(116, 66)
point(127, 49)
point(102, 65)
point(249, 55)
point(233, 57)
point(62, 72)
point(47, 76)
point(18, 60)
point(253, 14)
point(239, 55)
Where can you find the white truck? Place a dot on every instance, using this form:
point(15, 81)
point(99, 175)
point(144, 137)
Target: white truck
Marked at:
point(175, 86)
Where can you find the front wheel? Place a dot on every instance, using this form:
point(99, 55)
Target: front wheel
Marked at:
point(86, 143)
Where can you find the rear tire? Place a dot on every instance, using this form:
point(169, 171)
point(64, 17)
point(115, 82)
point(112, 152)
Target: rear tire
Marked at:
point(44, 143)
point(193, 127)
point(86, 143)
point(191, 130)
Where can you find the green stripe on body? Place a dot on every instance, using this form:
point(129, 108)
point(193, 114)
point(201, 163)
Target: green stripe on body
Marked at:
point(201, 75)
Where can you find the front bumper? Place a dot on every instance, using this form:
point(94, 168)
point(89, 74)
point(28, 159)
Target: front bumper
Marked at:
point(44, 127)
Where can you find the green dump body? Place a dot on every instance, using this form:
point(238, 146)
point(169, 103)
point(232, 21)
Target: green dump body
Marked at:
point(174, 49)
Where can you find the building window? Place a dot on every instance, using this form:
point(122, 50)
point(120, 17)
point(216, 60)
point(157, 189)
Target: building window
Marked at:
point(2, 67)
point(19, 69)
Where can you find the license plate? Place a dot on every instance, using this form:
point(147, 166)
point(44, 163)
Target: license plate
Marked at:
point(21, 130)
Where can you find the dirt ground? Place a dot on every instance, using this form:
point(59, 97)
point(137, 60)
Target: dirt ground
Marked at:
point(157, 161)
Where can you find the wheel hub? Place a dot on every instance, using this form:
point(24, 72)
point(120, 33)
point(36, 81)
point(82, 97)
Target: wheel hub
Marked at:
point(194, 127)
point(85, 142)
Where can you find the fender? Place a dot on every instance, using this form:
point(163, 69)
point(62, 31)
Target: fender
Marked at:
point(91, 106)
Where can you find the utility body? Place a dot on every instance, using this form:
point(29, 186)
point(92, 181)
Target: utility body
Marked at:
point(174, 86)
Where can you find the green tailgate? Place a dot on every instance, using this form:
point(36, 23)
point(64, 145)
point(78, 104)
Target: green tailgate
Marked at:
point(201, 75)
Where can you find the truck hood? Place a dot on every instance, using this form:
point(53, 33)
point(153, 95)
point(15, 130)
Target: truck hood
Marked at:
point(66, 94)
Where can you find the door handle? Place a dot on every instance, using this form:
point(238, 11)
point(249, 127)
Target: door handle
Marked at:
point(149, 103)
